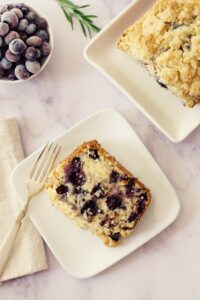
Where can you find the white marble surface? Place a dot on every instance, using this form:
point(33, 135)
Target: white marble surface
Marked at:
point(165, 268)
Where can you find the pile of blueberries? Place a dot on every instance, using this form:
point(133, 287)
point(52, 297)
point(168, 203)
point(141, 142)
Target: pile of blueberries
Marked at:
point(24, 41)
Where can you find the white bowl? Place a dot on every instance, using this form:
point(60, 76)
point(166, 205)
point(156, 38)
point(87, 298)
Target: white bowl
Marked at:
point(51, 42)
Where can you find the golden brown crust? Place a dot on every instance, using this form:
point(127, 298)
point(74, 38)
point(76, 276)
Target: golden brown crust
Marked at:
point(166, 40)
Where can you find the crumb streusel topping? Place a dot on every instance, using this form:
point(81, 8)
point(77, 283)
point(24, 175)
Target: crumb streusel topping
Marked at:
point(167, 42)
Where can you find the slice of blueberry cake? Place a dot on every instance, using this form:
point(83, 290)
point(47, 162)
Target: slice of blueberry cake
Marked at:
point(95, 190)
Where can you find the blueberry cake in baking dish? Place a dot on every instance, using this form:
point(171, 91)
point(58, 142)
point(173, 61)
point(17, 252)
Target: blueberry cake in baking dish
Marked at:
point(95, 190)
point(166, 40)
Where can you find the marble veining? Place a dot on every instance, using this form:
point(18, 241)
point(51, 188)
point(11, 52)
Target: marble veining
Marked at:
point(69, 89)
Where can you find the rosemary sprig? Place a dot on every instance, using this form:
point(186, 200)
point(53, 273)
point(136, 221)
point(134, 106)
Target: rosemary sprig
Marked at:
point(72, 11)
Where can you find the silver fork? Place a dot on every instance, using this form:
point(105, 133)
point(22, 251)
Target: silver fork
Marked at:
point(35, 182)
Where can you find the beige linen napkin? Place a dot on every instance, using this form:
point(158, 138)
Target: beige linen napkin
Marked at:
point(28, 254)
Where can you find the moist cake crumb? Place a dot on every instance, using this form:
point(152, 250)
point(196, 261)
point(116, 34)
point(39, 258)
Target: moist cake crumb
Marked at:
point(95, 190)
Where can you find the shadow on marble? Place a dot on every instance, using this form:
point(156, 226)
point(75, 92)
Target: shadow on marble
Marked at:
point(193, 137)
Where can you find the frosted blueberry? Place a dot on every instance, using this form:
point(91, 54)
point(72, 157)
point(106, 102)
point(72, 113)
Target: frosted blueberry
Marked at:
point(22, 7)
point(23, 24)
point(18, 12)
point(43, 34)
point(41, 23)
point(17, 46)
point(12, 57)
point(21, 72)
point(5, 64)
point(32, 66)
point(30, 16)
point(31, 28)
point(4, 28)
point(45, 49)
point(3, 8)
point(10, 18)
point(32, 53)
point(11, 36)
point(34, 40)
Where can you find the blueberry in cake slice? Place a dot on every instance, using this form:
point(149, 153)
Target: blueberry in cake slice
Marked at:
point(95, 190)
point(166, 40)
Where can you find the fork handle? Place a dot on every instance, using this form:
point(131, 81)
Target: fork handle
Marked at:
point(8, 242)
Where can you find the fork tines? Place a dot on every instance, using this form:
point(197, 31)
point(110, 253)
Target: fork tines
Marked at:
point(45, 162)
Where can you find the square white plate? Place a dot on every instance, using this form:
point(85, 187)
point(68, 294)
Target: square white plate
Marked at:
point(80, 252)
point(159, 105)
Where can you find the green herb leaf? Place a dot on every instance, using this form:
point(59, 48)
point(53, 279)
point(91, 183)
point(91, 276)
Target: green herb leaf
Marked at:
point(71, 11)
